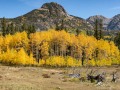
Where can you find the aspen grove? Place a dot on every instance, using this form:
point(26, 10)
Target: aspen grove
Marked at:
point(57, 49)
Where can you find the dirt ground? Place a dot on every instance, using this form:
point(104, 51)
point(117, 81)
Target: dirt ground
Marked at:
point(31, 78)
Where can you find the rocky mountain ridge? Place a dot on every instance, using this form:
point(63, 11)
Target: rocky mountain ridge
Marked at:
point(53, 15)
point(114, 23)
point(105, 20)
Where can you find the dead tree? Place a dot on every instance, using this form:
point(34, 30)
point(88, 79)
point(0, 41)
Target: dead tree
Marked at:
point(99, 78)
point(114, 77)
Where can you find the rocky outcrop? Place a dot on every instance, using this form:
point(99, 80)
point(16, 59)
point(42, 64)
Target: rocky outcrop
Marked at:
point(114, 23)
point(105, 20)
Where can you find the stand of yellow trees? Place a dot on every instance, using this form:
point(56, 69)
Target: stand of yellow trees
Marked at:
point(57, 49)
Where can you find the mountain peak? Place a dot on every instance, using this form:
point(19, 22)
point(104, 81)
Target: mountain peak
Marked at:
point(105, 20)
point(54, 7)
point(52, 15)
point(92, 18)
point(114, 23)
point(51, 3)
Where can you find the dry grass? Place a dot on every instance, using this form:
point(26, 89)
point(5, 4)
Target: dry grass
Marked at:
point(31, 78)
point(46, 76)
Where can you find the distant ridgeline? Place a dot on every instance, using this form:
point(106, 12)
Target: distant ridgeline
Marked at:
point(54, 16)
point(51, 16)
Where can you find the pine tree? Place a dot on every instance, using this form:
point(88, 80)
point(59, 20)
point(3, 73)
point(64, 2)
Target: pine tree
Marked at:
point(77, 32)
point(24, 27)
point(31, 29)
point(8, 29)
point(4, 26)
point(62, 24)
point(12, 29)
point(101, 28)
point(57, 26)
point(96, 33)
point(117, 40)
point(17, 28)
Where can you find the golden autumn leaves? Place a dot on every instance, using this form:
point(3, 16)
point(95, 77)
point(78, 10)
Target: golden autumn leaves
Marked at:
point(58, 49)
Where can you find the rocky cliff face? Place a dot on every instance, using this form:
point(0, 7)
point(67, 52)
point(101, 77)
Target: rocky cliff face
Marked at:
point(50, 15)
point(105, 20)
point(114, 23)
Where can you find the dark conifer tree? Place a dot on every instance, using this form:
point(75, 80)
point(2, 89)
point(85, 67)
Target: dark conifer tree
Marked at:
point(31, 29)
point(77, 32)
point(98, 29)
point(17, 28)
point(101, 29)
point(62, 24)
point(57, 28)
point(8, 29)
point(96, 33)
point(24, 27)
point(117, 40)
point(12, 29)
point(4, 26)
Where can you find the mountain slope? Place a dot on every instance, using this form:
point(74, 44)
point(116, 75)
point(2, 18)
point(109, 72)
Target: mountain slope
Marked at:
point(51, 15)
point(105, 20)
point(114, 23)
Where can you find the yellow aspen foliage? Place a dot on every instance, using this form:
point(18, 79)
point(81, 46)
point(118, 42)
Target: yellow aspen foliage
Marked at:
point(42, 62)
point(24, 59)
point(68, 61)
point(113, 49)
point(19, 40)
point(44, 50)
point(104, 49)
point(6, 42)
point(17, 58)
point(8, 57)
point(104, 62)
point(71, 62)
point(55, 61)
point(7, 39)
point(1, 44)
point(108, 62)
point(76, 48)
point(24, 40)
point(31, 60)
point(57, 48)
point(35, 38)
point(16, 40)
point(63, 40)
point(115, 61)
point(90, 63)
point(88, 45)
